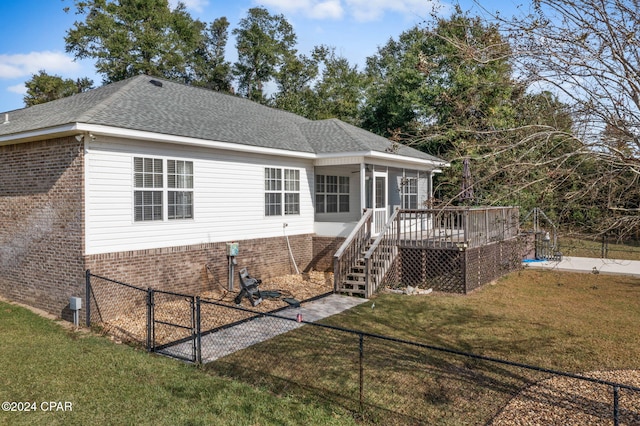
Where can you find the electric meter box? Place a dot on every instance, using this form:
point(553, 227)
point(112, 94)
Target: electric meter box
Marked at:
point(75, 303)
point(232, 249)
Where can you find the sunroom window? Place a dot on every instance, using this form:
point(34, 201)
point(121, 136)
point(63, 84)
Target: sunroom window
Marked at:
point(332, 194)
point(410, 193)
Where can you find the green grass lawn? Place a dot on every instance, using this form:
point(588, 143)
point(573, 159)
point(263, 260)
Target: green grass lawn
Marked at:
point(563, 321)
point(109, 383)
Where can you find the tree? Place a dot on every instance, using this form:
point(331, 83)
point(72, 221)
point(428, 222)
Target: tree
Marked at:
point(263, 42)
point(449, 90)
point(588, 53)
point(43, 87)
point(213, 71)
point(131, 37)
point(294, 81)
point(340, 89)
point(397, 89)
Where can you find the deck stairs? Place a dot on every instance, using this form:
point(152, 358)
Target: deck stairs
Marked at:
point(355, 283)
point(362, 262)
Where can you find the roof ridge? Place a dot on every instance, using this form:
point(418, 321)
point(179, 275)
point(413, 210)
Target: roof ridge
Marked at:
point(100, 106)
point(348, 128)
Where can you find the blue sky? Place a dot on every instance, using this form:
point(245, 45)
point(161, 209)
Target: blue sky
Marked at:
point(33, 31)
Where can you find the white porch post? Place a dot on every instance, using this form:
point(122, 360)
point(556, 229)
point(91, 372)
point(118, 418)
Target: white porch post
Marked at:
point(363, 186)
point(430, 185)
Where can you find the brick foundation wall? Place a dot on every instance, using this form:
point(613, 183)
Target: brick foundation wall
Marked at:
point(41, 223)
point(183, 269)
point(323, 250)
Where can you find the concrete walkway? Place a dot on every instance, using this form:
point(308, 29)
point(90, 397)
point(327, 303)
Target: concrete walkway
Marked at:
point(225, 342)
point(590, 265)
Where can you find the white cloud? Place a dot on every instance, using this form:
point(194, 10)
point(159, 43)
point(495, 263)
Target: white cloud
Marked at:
point(361, 10)
point(315, 9)
point(371, 10)
point(23, 65)
point(20, 89)
point(195, 5)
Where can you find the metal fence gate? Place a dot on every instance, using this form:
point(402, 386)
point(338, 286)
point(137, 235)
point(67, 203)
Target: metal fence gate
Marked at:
point(173, 325)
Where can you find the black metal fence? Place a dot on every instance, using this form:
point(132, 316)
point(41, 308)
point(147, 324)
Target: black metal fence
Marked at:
point(378, 378)
point(599, 246)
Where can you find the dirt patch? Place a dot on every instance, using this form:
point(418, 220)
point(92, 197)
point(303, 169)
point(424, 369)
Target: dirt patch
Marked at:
point(132, 325)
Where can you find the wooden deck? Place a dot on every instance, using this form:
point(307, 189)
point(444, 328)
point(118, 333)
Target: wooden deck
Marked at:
point(361, 264)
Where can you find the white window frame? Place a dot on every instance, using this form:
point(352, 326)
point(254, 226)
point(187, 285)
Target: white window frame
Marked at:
point(180, 189)
point(333, 194)
point(163, 189)
point(281, 191)
point(409, 193)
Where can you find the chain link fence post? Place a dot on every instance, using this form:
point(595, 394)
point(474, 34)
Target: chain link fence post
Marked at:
point(88, 296)
point(150, 328)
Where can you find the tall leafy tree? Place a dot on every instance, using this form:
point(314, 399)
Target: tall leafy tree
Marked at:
point(43, 87)
point(294, 81)
point(263, 42)
point(468, 75)
point(339, 90)
point(131, 37)
point(586, 51)
point(212, 69)
point(395, 96)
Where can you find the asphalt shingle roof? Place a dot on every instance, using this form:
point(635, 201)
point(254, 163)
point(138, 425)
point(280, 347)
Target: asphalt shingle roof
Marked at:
point(151, 104)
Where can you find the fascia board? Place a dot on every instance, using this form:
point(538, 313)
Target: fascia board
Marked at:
point(381, 158)
point(39, 134)
point(98, 130)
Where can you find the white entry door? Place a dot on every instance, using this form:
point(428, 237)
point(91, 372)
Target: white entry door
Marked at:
point(380, 200)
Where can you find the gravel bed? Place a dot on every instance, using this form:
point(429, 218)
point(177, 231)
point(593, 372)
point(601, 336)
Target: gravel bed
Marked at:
point(566, 401)
point(131, 326)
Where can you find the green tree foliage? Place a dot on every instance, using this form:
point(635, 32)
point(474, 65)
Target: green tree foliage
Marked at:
point(397, 89)
point(264, 43)
point(340, 89)
point(131, 37)
point(468, 79)
point(43, 87)
point(294, 81)
point(212, 70)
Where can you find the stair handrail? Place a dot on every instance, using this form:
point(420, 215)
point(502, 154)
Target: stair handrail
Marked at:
point(387, 229)
point(362, 228)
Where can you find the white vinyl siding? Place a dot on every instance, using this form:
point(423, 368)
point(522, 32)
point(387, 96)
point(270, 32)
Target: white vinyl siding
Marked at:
point(228, 197)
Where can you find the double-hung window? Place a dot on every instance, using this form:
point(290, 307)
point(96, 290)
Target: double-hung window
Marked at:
point(162, 189)
point(148, 193)
point(281, 191)
point(332, 194)
point(180, 184)
point(409, 193)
